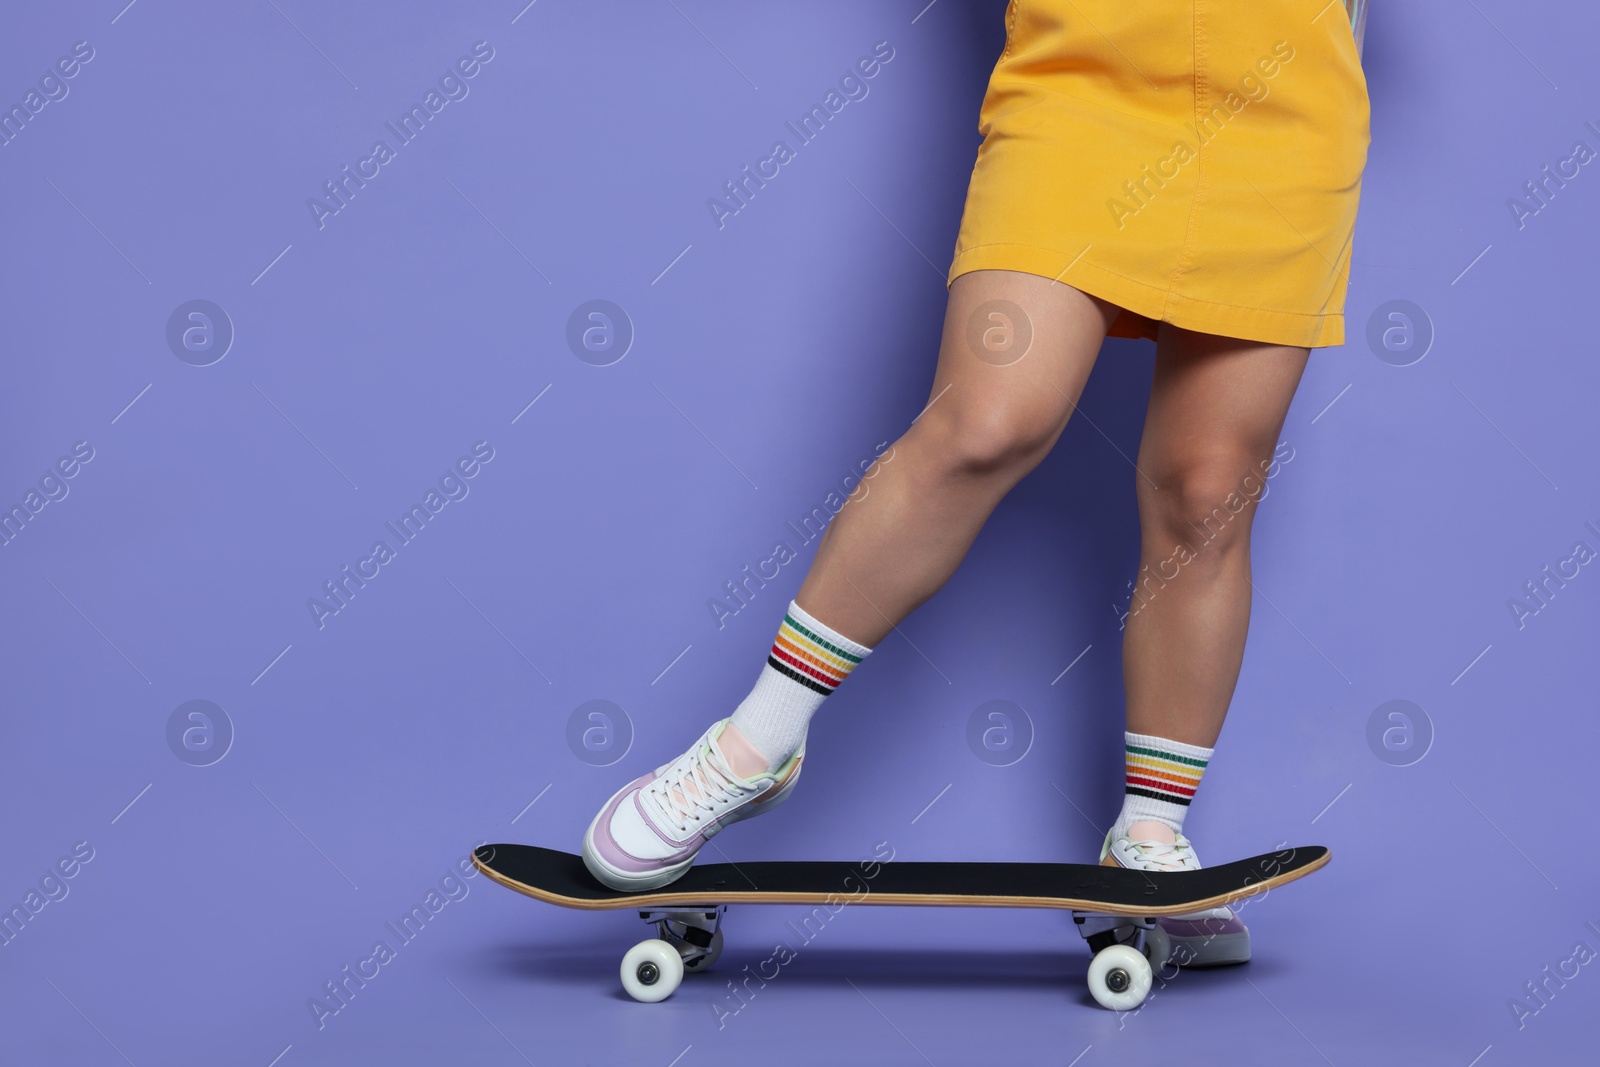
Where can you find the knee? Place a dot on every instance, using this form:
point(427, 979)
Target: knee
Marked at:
point(987, 439)
point(1205, 503)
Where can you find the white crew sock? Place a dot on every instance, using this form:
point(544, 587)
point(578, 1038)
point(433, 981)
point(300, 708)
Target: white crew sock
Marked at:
point(808, 661)
point(1162, 776)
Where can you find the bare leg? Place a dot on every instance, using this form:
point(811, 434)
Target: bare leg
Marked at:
point(895, 541)
point(1217, 406)
point(989, 422)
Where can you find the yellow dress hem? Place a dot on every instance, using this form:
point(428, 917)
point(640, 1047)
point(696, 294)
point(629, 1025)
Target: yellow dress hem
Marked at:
point(1144, 304)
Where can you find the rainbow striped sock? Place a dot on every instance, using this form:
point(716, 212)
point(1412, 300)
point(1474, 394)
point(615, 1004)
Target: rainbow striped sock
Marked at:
point(808, 661)
point(1162, 776)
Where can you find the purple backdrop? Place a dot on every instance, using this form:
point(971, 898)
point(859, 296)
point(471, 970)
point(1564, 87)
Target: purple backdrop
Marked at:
point(222, 782)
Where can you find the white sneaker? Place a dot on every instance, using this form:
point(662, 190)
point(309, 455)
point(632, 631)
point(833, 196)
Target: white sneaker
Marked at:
point(649, 831)
point(1199, 939)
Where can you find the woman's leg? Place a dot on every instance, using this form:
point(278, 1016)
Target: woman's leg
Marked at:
point(1217, 406)
point(1013, 359)
point(987, 424)
point(991, 418)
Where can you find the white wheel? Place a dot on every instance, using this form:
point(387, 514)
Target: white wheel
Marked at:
point(1119, 978)
point(652, 970)
point(700, 963)
point(1157, 946)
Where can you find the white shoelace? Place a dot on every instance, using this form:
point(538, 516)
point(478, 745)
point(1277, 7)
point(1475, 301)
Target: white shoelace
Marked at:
point(1167, 855)
point(716, 790)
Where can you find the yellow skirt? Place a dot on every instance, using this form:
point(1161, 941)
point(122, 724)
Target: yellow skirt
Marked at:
point(1196, 162)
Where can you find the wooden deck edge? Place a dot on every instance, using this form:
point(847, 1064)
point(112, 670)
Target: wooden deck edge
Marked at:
point(660, 899)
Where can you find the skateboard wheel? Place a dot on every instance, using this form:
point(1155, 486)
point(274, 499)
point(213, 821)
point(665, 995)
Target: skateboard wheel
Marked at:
point(1119, 978)
point(1157, 946)
point(696, 964)
point(651, 970)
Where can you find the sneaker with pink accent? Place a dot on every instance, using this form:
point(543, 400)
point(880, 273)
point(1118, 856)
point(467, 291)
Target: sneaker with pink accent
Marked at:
point(1205, 938)
point(650, 830)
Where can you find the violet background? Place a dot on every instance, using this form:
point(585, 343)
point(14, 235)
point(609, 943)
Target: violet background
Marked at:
point(770, 357)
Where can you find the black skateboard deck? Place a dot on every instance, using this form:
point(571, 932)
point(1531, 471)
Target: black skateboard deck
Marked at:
point(687, 913)
point(561, 878)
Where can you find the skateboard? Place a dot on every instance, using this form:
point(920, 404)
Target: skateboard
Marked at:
point(1115, 909)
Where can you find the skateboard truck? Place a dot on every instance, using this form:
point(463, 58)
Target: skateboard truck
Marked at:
point(688, 940)
point(1127, 952)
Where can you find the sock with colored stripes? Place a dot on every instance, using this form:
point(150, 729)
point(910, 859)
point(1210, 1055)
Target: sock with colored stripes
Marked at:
point(807, 662)
point(1161, 779)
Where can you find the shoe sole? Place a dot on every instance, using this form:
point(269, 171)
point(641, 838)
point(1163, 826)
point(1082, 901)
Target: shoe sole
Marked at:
point(1218, 951)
